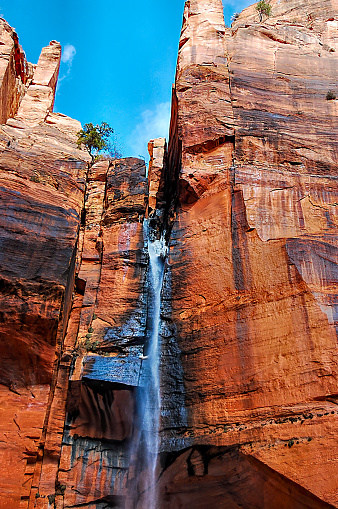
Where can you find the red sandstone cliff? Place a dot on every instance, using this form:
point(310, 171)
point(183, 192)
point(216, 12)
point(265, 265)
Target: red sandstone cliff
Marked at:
point(43, 180)
point(247, 192)
point(253, 258)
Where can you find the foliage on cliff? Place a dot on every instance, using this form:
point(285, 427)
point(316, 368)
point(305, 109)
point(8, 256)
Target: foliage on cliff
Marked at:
point(263, 7)
point(95, 138)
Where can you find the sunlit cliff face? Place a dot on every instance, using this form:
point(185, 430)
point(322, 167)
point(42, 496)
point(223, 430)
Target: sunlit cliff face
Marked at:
point(214, 327)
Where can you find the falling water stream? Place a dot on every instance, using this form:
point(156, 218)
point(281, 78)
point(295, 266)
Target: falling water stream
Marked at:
point(157, 251)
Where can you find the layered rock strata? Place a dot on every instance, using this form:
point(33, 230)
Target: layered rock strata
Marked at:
point(43, 182)
point(38, 100)
point(252, 286)
point(74, 296)
point(15, 72)
point(246, 196)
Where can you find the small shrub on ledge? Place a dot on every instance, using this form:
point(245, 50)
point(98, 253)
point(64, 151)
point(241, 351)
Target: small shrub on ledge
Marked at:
point(331, 96)
point(263, 7)
point(89, 345)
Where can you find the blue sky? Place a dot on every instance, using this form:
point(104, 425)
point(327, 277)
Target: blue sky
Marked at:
point(118, 63)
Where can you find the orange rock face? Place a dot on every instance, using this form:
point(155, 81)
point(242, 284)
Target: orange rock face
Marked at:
point(156, 174)
point(101, 403)
point(252, 286)
point(246, 196)
point(43, 181)
point(15, 72)
point(38, 100)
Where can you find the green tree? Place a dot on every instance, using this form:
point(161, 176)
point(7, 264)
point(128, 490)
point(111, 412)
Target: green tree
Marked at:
point(95, 138)
point(263, 7)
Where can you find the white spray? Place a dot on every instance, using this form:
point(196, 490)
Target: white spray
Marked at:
point(157, 252)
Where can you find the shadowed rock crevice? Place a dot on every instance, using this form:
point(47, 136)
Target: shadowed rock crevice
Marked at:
point(209, 477)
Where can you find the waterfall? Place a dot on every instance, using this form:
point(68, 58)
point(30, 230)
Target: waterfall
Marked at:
point(152, 398)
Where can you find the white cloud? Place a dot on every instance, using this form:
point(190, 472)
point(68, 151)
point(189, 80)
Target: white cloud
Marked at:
point(68, 54)
point(154, 124)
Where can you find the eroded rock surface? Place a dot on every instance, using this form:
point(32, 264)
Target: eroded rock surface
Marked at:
point(246, 195)
point(252, 270)
point(15, 72)
point(110, 339)
point(43, 182)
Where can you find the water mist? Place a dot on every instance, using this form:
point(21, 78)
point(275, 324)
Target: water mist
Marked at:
point(150, 367)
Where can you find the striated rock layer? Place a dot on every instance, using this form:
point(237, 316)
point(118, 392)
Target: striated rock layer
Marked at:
point(43, 182)
point(246, 195)
point(73, 299)
point(252, 270)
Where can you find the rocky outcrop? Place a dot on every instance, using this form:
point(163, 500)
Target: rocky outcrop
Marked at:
point(246, 196)
point(156, 174)
point(252, 264)
point(43, 183)
point(15, 72)
point(38, 100)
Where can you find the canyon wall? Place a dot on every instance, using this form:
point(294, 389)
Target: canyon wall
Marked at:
point(252, 264)
point(73, 296)
point(43, 181)
point(245, 194)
